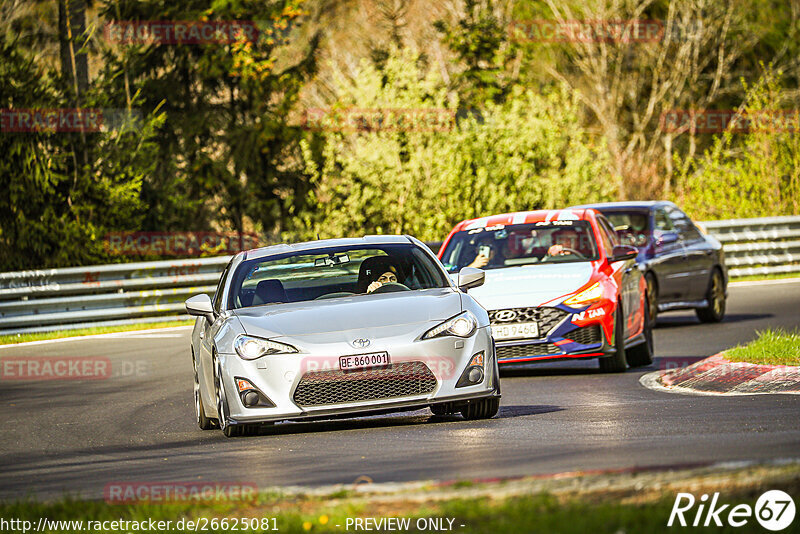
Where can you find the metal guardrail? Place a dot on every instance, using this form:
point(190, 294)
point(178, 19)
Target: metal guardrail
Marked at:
point(768, 245)
point(127, 293)
point(103, 295)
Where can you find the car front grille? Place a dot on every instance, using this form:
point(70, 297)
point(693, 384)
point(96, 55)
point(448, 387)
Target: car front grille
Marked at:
point(587, 335)
point(522, 351)
point(546, 317)
point(319, 388)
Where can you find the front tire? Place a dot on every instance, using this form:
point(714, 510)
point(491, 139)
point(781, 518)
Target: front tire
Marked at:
point(652, 296)
point(715, 311)
point(482, 409)
point(642, 355)
point(205, 423)
point(222, 403)
point(616, 363)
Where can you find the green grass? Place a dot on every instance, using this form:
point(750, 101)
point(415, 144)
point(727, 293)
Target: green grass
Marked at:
point(630, 511)
point(597, 503)
point(771, 347)
point(22, 338)
point(756, 277)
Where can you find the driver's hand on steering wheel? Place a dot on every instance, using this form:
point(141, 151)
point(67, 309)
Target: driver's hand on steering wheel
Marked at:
point(373, 286)
point(557, 250)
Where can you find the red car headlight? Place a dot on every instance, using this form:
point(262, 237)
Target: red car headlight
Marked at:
point(587, 296)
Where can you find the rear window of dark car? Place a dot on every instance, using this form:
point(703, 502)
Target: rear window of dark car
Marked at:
point(633, 227)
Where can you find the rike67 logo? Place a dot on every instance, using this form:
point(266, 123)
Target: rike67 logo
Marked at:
point(774, 510)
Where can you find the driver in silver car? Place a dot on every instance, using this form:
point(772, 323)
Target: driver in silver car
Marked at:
point(389, 276)
point(378, 271)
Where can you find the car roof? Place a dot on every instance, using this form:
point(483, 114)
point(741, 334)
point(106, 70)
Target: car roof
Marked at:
point(283, 248)
point(629, 204)
point(524, 217)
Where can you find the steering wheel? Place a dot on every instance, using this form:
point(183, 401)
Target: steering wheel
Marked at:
point(571, 250)
point(390, 287)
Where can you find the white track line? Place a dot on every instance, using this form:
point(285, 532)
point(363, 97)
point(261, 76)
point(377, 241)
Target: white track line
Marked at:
point(99, 336)
point(746, 283)
point(650, 381)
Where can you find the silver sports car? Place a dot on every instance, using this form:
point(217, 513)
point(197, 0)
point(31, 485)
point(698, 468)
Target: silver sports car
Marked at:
point(340, 327)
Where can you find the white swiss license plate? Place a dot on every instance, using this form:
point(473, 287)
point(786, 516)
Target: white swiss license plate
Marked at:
point(515, 330)
point(363, 361)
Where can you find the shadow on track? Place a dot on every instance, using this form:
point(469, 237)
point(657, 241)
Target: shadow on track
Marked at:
point(586, 368)
point(523, 410)
point(87, 457)
point(394, 420)
point(692, 320)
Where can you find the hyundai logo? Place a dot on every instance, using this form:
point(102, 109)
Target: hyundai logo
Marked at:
point(505, 315)
point(360, 343)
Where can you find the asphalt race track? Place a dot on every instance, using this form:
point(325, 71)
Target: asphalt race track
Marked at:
point(138, 425)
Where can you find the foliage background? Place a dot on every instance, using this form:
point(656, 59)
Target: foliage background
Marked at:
point(220, 142)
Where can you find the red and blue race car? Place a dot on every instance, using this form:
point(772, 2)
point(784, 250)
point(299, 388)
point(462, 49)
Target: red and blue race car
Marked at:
point(559, 285)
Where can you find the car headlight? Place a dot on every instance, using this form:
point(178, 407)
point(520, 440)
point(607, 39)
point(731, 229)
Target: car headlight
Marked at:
point(462, 325)
point(250, 348)
point(592, 294)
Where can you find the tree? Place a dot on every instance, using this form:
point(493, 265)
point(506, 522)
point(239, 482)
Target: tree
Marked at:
point(420, 167)
point(752, 172)
point(627, 83)
point(226, 148)
point(481, 43)
point(54, 209)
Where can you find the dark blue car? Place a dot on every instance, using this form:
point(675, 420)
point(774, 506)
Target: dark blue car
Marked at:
point(683, 266)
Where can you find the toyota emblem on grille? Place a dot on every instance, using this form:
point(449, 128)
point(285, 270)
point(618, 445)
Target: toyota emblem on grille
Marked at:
point(505, 315)
point(360, 343)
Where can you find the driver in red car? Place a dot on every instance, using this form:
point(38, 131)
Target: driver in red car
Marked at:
point(565, 242)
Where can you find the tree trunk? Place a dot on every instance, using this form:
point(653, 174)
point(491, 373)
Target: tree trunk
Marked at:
point(72, 38)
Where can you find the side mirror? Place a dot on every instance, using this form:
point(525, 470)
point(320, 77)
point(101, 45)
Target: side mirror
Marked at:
point(470, 277)
point(666, 238)
point(624, 252)
point(200, 306)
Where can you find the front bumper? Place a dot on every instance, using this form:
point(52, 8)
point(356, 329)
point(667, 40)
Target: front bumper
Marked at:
point(440, 362)
point(576, 335)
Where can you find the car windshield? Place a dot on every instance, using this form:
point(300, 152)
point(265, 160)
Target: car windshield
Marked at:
point(521, 244)
point(633, 227)
point(333, 272)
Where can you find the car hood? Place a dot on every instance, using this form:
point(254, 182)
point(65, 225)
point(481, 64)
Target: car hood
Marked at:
point(530, 285)
point(342, 319)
